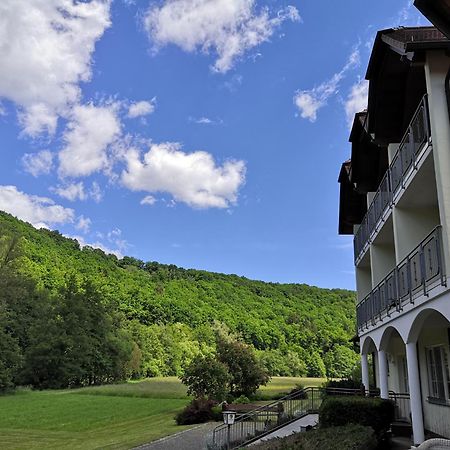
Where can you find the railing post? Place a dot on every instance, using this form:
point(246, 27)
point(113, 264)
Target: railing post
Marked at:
point(423, 273)
point(441, 265)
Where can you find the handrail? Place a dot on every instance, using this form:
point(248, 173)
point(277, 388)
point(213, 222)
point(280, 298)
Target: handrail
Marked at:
point(419, 269)
point(267, 418)
point(416, 135)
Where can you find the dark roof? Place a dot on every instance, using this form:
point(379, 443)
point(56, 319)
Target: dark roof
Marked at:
point(437, 12)
point(404, 41)
point(352, 206)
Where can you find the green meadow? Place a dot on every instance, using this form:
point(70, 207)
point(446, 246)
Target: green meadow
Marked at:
point(117, 416)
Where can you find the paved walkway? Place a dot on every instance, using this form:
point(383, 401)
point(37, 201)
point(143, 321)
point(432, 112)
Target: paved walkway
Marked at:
point(294, 427)
point(193, 439)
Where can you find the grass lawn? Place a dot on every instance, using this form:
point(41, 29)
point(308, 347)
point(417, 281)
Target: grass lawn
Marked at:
point(282, 385)
point(107, 417)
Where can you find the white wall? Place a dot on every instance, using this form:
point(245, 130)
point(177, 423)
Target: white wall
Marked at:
point(436, 67)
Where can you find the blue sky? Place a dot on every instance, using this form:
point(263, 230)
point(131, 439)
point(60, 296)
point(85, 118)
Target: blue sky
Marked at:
point(203, 133)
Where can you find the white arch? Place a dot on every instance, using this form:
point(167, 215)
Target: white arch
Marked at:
point(387, 335)
point(419, 320)
point(366, 343)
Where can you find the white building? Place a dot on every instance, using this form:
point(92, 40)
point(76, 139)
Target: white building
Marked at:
point(395, 199)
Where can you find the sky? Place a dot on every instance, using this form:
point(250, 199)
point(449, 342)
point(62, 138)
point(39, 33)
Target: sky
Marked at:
point(203, 133)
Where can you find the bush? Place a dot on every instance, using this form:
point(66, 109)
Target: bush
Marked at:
point(349, 437)
point(200, 410)
point(330, 385)
point(374, 412)
point(242, 400)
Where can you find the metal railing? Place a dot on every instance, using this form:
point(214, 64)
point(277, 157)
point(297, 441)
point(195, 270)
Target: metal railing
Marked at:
point(402, 406)
point(415, 275)
point(251, 426)
point(416, 136)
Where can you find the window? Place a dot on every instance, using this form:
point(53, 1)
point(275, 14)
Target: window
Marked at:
point(438, 373)
point(403, 375)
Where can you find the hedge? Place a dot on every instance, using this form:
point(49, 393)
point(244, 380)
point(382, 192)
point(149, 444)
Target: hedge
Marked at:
point(349, 437)
point(374, 412)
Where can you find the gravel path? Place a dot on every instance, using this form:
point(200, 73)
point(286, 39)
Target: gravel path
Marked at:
point(193, 439)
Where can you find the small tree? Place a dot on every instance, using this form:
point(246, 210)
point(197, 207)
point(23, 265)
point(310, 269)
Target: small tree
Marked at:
point(207, 377)
point(246, 372)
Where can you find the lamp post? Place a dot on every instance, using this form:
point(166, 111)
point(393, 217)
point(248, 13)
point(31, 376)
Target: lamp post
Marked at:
point(228, 420)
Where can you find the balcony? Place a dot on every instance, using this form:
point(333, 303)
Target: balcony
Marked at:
point(421, 271)
point(417, 136)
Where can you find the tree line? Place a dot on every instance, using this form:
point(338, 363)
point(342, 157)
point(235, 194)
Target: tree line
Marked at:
point(73, 317)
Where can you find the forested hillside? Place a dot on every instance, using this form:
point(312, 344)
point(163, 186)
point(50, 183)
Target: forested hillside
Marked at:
point(153, 318)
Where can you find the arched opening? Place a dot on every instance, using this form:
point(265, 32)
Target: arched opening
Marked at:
point(369, 349)
point(430, 332)
point(392, 343)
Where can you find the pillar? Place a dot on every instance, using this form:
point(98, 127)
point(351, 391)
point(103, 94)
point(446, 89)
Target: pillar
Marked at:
point(415, 393)
point(365, 372)
point(383, 374)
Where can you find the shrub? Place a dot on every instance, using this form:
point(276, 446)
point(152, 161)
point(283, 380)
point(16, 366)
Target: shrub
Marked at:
point(374, 412)
point(242, 399)
point(349, 437)
point(330, 385)
point(200, 410)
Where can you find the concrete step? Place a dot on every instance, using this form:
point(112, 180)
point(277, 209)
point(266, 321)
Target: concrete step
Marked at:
point(401, 428)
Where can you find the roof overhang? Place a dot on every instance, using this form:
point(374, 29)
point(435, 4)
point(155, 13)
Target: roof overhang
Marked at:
point(397, 79)
point(437, 12)
point(368, 160)
point(352, 206)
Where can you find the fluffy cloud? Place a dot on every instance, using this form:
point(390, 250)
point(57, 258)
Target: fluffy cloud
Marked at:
point(83, 224)
point(91, 130)
point(45, 53)
point(71, 191)
point(39, 211)
point(356, 100)
point(228, 27)
point(40, 163)
point(192, 178)
point(142, 108)
point(310, 101)
point(148, 200)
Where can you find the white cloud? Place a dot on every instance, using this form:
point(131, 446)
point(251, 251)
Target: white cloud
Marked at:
point(142, 108)
point(83, 224)
point(205, 121)
point(71, 191)
point(38, 163)
point(95, 192)
point(148, 200)
point(192, 178)
point(39, 211)
point(310, 101)
point(228, 27)
point(356, 100)
point(46, 52)
point(91, 130)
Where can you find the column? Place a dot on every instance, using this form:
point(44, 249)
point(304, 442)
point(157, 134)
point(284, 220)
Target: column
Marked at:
point(383, 374)
point(365, 372)
point(414, 392)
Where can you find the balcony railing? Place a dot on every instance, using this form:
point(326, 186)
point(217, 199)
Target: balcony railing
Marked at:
point(416, 274)
point(417, 134)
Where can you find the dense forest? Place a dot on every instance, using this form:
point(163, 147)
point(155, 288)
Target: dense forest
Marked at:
point(72, 316)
